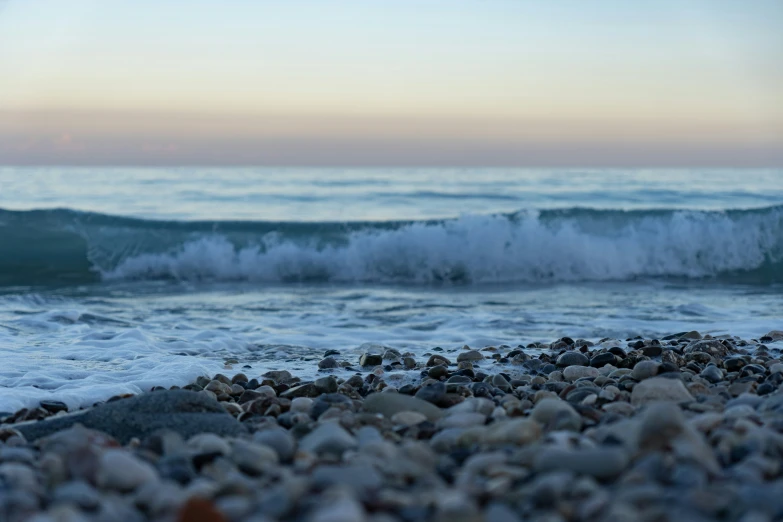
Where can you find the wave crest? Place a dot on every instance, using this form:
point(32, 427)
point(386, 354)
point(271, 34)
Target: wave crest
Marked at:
point(529, 246)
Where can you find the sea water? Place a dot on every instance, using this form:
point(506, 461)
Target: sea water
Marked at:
point(114, 280)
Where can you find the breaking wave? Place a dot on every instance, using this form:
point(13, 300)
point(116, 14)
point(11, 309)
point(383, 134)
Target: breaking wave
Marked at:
point(62, 246)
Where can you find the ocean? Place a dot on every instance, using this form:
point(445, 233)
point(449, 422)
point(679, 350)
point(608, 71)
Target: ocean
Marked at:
point(114, 280)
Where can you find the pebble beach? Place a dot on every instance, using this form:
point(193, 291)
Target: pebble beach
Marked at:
point(685, 427)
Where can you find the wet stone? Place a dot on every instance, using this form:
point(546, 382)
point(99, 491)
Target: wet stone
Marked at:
point(572, 359)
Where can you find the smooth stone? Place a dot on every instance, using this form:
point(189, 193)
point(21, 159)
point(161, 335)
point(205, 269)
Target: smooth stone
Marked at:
point(644, 370)
point(557, 414)
point(303, 390)
point(775, 335)
point(572, 373)
point(328, 438)
point(462, 420)
point(253, 459)
point(711, 374)
point(278, 376)
point(122, 471)
point(659, 389)
point(78, 493)
point(433, 393)
point(301, 405)
point(473, 405)
point(370, 359)
point(600, 463)
point(387, 404)
point(344, 508)
point(436, 360)
point(326, 384)
point(470, 355)
point(663, 426)
point(328, 363)
point(602, 359)
point(209, 443)
point(181, 411)
point(408, 418)
point(363, 480)
point(53, 406)
point(497, 512)
point(519, 431)
point(279, 439)
point(572, 359)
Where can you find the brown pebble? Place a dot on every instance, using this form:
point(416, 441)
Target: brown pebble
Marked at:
point(199, 510)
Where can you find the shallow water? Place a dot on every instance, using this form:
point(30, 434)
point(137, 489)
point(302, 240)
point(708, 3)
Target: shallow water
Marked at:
point(152, 277)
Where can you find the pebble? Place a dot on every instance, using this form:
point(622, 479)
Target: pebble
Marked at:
point(121, 471)
point(572, 373)
point(572, 359)
point(660, 389)
point(387, 404)
point(608, 436)
point(644, 370)
point(600, 463)
point(328, 438)
point(557, 415)
point(470, 355)
point(408, 418)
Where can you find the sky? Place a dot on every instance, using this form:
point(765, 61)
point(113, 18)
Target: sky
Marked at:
point(425, 82)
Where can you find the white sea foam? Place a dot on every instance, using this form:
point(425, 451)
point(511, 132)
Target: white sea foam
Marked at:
point(487, 249)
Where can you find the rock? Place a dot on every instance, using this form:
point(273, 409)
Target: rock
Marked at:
point(78, 493)
point(199, 509)
point(434, 393)
point(279, 376)
point(330, 400)
point(644, 370)
point(121, 471)
point(328, 363)
point(663, 426)
point(709, 346)
point(408, 418)
point(303, 390)
point(775, 335)
point(517, 432)
point(436, 360)
point(301, 405)
point(253, 459)
point(712, 374)
point(470, 355)
point(556, 414)
point(53, 406)
point(342, 508)
point(600, 463)
point(181, 411)
point(328, 438)
point(279, 439)
point(209, 443)
point(572, 373)
point(370, 359)
point(363, 480)
point(497, 512)
point(572, 359)
point(462, 420)
point(326, 384)
point(387, 404)
point(660, 389)
point(602, 359)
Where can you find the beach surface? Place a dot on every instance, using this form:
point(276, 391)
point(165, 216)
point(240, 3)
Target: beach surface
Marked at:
point(686, 427)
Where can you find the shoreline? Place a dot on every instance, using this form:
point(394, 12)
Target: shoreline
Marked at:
point(687, 427)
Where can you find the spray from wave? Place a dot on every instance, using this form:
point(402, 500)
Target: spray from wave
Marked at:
point(62, 246)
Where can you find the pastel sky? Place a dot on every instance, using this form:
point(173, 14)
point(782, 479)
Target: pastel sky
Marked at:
point(403, 82)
